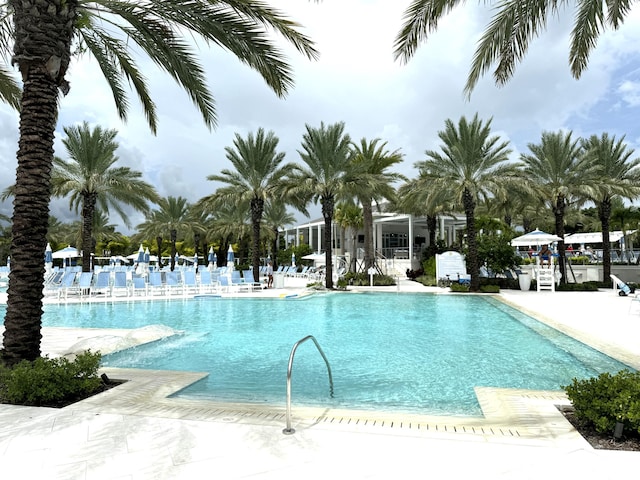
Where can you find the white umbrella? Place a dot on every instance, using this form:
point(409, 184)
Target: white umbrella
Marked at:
point(66, 252)
point(537, 237)
point(211, 258)
point(230, 258)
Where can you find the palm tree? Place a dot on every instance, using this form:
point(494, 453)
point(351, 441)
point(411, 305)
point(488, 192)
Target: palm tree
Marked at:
point(470, 167)
point(616, 175)
point(558, 175)
point(172, 215)
point(276, 217)
point(92, 181)
point(350, 218)
point(327, 154)
point(258, 171)
point(44, 35)
point(373, 183)
point(419, 196)
point(506, 38)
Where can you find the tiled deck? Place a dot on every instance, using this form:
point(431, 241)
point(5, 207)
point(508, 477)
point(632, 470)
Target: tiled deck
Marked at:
point(134, 431)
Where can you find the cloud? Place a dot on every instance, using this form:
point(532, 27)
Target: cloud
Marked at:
point(357, 81)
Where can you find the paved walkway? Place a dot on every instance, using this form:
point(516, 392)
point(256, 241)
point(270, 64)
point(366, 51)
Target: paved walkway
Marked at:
point(135, 432)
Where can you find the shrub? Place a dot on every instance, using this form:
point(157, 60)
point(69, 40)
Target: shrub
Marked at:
point(489, 289)
point(49, 381)
point(604, 400)
point(362, 279)
point(459, 287)
point(577, 287)
point(428, 280)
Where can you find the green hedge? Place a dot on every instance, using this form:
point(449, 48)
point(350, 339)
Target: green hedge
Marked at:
point(604, 400)
point(48, 381)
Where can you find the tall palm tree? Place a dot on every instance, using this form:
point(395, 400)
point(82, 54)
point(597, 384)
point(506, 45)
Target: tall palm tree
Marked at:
point(92, 181)
point(275, 218)
point(470, 167)
point(44, 35)
point(558, 175)
point(419, 196)
point(350, 218)
point(258, 171)
point(616, 174)
point(327, 155)
point(514, 24)
point(372, 184)
point(172, 215)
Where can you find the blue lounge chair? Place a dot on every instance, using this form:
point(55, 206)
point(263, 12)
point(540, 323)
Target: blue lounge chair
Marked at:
point(120, 284)
point(139, 286)
point(155, 283)
point(102, 283)
point(174, 282)
point(189, 283)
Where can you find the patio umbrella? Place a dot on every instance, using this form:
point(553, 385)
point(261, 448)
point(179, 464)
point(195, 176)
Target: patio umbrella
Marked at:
point(66, 252)
point(48, 258)
point(177, 259)
point(537, 237)
point(147, 256)
point(231, 257)
point(293, 259)
point(140, 258)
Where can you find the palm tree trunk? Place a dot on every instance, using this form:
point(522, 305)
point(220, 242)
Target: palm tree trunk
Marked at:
point(432, 224)
point(367, 217)
point(88, 211)
point(257, 207)
point(327, 213)
point(43, 33)
point(558, 212)
point(472, 244)
point(159, 244)
point(604, 210)
point(174, 237)
point(274, 248)
point(30, 219)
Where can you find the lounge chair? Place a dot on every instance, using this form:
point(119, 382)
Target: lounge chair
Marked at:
point(84, 284)
point(155, 283)
point(102, 283)
point(67, 284)
point(139, 286)
point(620, 286)
point(174, 282)
point(120, 284)
point(189, 282)
point(250, 280)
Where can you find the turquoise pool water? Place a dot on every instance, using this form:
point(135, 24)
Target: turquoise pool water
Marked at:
point(406, 352)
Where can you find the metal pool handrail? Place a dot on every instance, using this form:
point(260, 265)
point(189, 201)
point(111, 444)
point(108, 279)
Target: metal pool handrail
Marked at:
point(289, 430)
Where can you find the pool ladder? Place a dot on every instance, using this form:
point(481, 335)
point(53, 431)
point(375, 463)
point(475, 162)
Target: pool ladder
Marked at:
point(289, 430)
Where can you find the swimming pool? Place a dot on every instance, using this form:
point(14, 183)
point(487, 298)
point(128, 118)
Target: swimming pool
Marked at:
point(405, 352)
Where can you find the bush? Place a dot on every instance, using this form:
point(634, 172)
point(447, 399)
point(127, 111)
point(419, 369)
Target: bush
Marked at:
point(49, 381)
point(459, 287)
point(489, 289)
point(428, 280)
point(604, 400)
point(577, 287)
point(362, 280)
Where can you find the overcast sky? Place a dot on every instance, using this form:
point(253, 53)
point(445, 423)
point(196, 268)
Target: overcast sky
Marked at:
point(356, 81)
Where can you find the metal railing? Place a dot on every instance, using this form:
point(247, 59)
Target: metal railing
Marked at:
point(290, 430)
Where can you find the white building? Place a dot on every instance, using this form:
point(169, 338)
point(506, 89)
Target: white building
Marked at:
point(398, 239)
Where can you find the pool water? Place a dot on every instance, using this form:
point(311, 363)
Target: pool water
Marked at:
point(404, 352)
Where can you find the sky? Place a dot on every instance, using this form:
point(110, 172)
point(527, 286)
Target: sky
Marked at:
point(356, 81)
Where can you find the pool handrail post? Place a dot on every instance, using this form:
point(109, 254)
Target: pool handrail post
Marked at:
point(289, 430)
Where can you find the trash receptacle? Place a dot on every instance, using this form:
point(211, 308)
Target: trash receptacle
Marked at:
point(525, 281)
point(278, 280)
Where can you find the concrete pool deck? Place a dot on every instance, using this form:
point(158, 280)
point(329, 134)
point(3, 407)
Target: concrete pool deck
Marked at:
point(135, 432)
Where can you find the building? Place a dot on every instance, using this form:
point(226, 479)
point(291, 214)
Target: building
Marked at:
point(398, 239)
